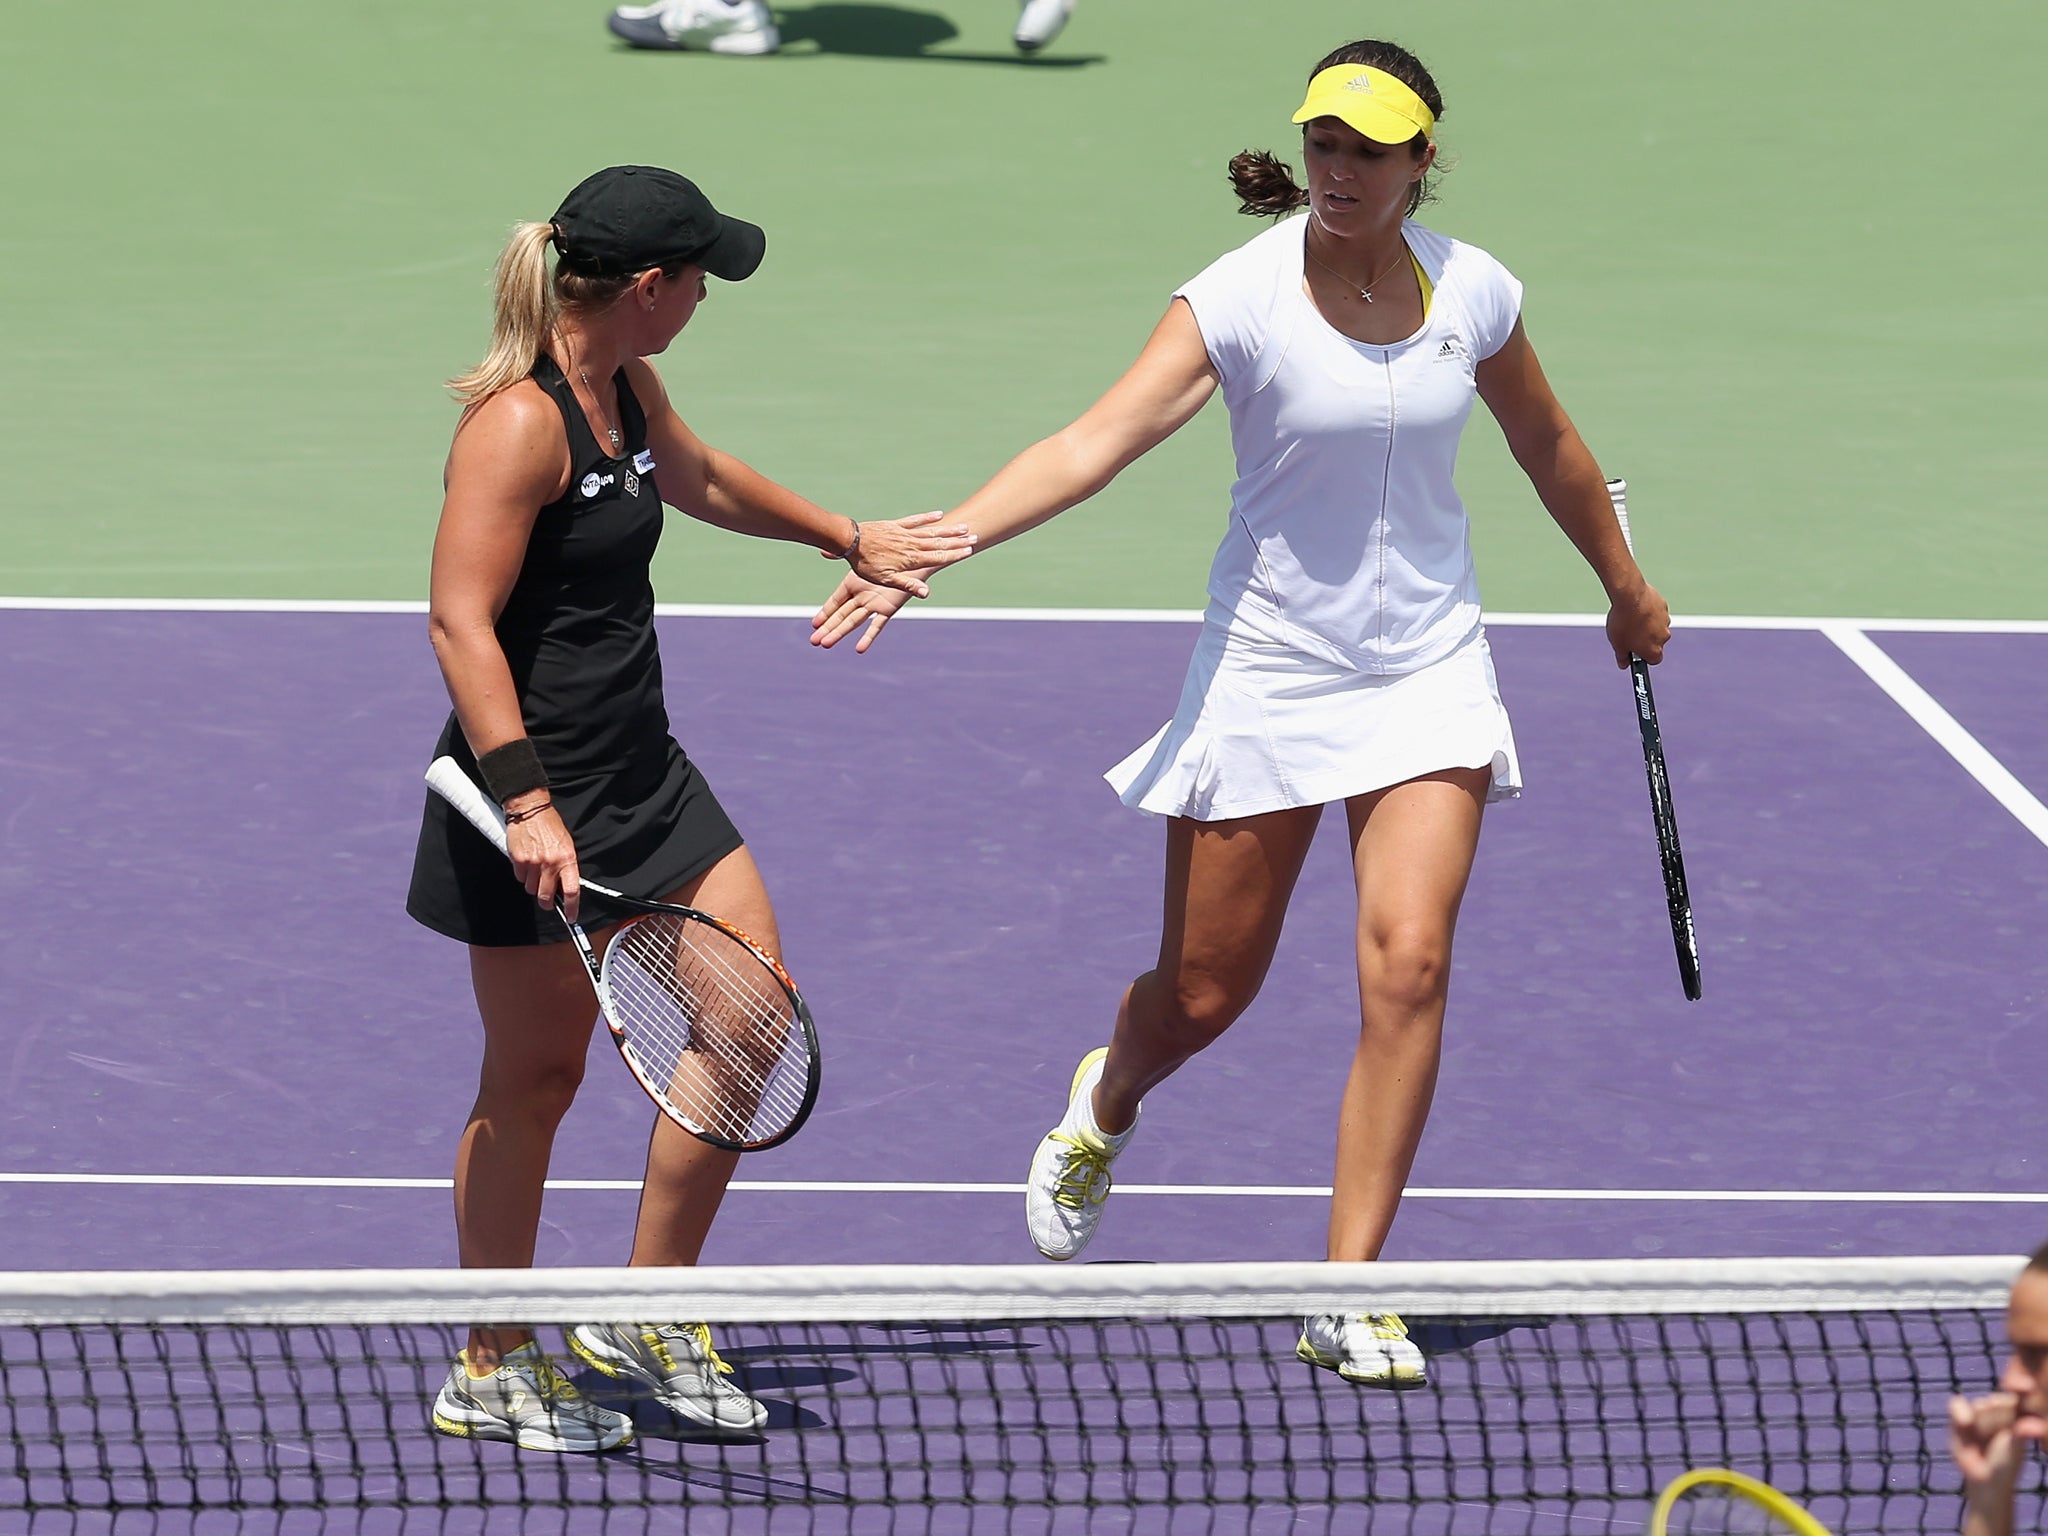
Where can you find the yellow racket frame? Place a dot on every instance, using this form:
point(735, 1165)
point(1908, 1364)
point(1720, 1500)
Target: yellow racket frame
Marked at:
point(1740, 1485)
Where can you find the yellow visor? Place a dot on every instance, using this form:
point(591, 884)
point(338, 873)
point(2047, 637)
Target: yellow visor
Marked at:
point(1370, 100)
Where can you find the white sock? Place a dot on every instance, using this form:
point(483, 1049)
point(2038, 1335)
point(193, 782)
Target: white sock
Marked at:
point(1081, 1115)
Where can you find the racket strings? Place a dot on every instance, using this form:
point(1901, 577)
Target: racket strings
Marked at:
point(716, 1063)
point(709, 1025)
point(1717, 1511)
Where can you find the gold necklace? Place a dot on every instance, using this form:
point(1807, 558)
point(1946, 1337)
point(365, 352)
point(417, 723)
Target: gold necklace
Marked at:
point(1365, 292)
point(610, 431)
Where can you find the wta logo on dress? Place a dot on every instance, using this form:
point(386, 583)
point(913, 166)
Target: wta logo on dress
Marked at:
point(594, 482)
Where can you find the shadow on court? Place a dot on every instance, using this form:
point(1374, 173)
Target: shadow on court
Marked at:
point(895, 32)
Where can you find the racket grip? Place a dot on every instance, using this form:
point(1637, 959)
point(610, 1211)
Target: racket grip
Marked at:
point(446, 779)
point(1617, 492)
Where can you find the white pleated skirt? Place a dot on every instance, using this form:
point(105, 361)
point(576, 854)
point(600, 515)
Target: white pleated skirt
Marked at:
point(1264, 727)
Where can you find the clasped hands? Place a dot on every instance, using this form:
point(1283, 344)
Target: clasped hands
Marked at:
point(889, 564)
point(899, 554)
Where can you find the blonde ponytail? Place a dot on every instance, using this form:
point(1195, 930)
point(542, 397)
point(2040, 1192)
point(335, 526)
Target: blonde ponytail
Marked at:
point(523, 317)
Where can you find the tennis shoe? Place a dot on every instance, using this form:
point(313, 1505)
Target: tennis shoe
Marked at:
point(675, 1364)
point(714, 26)
point(1039, 22)
point(528, 1402)
point(1368, 1349)
point(1070, 1170)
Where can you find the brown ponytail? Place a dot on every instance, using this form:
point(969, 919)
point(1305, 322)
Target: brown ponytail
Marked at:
point(1265, 186)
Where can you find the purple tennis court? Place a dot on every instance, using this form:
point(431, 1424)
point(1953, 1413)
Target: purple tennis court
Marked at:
point(257, 1061)
point(264, 1063)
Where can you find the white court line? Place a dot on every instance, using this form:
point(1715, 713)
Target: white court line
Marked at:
point(1282, 1191)
point(1020, 615)
point(206, 605)
point(1848, 634)
point(1946, 730)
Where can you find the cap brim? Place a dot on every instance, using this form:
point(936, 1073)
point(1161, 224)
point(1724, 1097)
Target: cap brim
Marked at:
point(737, 251)
point(1377, 121)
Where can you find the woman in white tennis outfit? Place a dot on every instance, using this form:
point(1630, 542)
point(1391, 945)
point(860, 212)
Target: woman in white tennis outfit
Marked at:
point(1342, 657)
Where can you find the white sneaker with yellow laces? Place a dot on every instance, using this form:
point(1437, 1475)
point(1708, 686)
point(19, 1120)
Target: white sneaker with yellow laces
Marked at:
point(676, 1364)
point(528, 1402)
point(1070, 1170)
point(1368, 1349)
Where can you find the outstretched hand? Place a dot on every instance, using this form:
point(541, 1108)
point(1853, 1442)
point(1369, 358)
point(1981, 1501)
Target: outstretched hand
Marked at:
point(855, 602)
point(901, 553)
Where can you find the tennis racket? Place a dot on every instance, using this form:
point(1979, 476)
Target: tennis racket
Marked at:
point(1712, 1501)
point(1676, 896)
point(707, 1021)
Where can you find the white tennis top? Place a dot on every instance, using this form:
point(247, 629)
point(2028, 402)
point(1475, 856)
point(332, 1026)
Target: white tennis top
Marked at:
point(1347, 539)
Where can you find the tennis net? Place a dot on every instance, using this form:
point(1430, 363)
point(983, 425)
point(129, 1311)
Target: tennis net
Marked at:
point(1112, 1398)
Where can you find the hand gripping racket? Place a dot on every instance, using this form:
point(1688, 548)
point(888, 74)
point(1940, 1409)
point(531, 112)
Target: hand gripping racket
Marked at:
point(1675, 895)
point(1713, 1501)
point(712, 1027)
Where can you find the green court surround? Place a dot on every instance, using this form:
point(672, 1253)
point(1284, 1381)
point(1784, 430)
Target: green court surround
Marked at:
point(1780, 263)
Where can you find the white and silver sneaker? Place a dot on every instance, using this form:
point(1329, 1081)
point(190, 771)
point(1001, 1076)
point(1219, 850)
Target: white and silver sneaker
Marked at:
point(714, 26)
point(1070, 1170)
point(675, 1364)
point(1039, 22)
point(1368, 1349)
point(528, 1402)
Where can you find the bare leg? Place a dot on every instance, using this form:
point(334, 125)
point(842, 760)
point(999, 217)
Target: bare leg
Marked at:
point(1227, 887)
point(1412, 848)
point(537, 1011)
point(686, 1178)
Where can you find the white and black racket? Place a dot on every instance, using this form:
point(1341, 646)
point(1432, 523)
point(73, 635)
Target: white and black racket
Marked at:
point(709, 1023)
point(1676, 897)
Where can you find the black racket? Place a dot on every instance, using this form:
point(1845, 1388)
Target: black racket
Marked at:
point(1675, 895)
point(708, 1022)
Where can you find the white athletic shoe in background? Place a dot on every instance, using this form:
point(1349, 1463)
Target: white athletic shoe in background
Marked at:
point(1368, 1349)
point(715, 26)
point(1039, 22)
point(1070, 1170)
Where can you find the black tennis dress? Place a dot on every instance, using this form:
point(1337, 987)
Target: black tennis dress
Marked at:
point(578, 631)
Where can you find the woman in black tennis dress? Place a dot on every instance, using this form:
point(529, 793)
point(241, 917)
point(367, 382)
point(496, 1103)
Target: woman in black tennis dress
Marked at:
point(542, 618)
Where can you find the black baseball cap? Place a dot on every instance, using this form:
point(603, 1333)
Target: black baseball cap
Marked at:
point(628, 218)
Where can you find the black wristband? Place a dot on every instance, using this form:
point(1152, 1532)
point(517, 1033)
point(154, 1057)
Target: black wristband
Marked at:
point(512, 770)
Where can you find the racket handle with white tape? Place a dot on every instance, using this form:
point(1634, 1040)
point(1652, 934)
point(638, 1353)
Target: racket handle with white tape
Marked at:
point(1617, 492)
point(446, 779)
